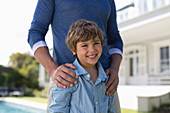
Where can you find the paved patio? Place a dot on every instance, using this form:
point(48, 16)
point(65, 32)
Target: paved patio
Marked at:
point(38, 105)
point(128, 94)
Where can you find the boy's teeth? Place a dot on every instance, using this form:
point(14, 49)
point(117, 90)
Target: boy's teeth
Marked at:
point(92, 56)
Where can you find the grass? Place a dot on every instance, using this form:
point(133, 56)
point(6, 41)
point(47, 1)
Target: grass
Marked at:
point(132, 111)
point(34, 99)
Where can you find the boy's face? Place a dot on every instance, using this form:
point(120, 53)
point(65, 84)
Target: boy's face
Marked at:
point(89, 52)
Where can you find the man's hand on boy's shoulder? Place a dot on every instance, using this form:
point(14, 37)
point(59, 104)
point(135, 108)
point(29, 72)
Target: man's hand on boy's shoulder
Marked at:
point(61, 78)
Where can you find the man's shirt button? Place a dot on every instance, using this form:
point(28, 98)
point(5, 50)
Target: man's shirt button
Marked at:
point(96, 102)
point(88, 76)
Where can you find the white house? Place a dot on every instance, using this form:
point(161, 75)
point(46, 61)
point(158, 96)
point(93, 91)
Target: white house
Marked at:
point(145, 28)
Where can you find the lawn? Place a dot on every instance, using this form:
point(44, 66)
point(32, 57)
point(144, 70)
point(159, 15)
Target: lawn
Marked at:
point(35, 99)
point(132, 111)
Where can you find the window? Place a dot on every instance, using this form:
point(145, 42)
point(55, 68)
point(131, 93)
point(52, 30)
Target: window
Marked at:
point(161, 59)
point(158, 3)
point(154, 4)
point(143, 6)
point(123, 15)
point(131, 66)
point(161, 2)
point(137, 65)
point(164, 59)
point(133, 63)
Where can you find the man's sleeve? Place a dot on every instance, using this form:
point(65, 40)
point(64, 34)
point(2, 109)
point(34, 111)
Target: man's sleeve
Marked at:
point(113, 37)
point(42, 19)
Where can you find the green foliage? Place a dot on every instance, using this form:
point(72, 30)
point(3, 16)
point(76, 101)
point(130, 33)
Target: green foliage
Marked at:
point(32, 73)
point(28, 92)
point(36, 92)
point(164, 108)
point(2, 77)
point(11, 77)
point(41, 93)
point(23, 71)
point(19, 60)
point(132, 111)
point(28, 66)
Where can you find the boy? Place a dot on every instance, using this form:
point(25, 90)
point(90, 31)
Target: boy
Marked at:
point(85, 40)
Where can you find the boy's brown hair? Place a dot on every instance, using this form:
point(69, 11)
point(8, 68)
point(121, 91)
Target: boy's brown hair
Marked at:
point(81, 31)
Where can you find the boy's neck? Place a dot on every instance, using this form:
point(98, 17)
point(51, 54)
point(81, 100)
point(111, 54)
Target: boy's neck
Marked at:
point(93, 71)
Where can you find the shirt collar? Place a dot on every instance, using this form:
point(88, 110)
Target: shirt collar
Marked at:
point(81, 71)
point(102, 75)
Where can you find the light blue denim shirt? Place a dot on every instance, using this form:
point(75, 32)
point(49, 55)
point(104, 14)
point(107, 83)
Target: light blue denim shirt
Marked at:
point(85, 96)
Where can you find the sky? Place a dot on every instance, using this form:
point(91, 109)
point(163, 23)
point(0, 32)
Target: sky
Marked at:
point(15, 21)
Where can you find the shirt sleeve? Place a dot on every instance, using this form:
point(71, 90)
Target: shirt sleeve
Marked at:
point(61, 99)
point(38, 44)
point(114, 39)
point(115, 50)
point(42, 19)
point(111, 108)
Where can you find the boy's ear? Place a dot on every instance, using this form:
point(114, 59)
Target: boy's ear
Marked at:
point(74, 53)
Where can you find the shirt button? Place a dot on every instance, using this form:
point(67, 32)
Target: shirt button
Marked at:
point(96, 102)
point(88, 76)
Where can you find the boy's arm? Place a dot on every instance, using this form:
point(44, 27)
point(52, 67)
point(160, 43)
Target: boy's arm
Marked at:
point(61, 99)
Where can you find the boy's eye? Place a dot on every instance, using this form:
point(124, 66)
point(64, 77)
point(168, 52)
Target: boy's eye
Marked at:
point(96, 43)
point(84, 46)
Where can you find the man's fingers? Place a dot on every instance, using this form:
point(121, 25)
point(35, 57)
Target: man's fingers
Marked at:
point(59, 84)
point(62, 78)
point(68, 78)
point(63, 81)
point(66, 69)
point(113, 87)
point(110, 81)
point(111, 90)
point(70, 65)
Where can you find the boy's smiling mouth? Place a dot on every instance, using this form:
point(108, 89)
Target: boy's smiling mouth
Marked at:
point(92, 56)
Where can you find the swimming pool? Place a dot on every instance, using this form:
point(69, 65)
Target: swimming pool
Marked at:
point(6, 107)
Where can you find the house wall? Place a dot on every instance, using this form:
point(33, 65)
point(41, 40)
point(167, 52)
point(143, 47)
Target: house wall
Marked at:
point(144, 34)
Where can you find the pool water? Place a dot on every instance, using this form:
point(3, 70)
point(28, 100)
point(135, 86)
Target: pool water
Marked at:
point(6, 107)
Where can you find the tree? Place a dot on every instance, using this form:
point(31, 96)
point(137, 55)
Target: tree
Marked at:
point(28, 66)
point(11, 77)
point(19, 60)
point(2, 77)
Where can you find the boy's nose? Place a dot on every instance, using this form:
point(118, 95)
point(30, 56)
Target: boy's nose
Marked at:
point(92, 48)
